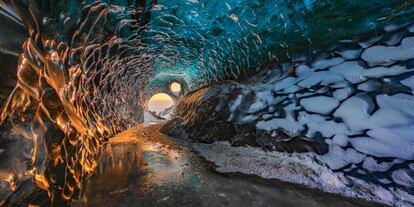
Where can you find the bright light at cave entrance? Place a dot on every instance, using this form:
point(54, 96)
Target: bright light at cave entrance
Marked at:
point(159, 102)
point(175, 87)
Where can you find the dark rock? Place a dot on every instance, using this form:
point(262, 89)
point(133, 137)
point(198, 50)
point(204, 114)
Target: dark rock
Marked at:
point(203, 116)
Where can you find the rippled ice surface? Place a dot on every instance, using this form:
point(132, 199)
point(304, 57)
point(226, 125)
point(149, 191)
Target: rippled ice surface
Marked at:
point(141, 167)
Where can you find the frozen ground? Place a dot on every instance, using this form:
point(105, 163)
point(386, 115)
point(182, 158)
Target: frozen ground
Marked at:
point(142, 167)
point(302, 168)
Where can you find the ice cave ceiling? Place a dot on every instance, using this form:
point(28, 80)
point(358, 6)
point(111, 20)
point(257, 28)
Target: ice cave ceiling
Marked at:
point(86, 68)
point(202, 41)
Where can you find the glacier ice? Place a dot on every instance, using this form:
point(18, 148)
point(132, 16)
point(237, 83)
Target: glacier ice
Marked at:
point(87, 69)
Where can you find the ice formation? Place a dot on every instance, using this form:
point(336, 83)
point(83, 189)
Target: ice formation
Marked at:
point(332, 77)
point(362, 111)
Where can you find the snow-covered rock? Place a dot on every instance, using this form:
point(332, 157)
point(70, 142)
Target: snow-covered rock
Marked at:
point(391, 27)
point(317, 123)
point(323, 64)
point(338, 158)
point(371, 41)
point(236, 103)
point(373, 165)
point(343, 93)
point(340, 140)
point(403, 177)
point(323, 78)
point(355, 111)
point(382, 55)
point(395, 39)
point(370, 85)
point(350, 54)
point(288, 123)
point(409, 82)
point(387, 117)
point(380, 148)
point(319, 104)
point(411, 28)
point(401, 102)
point(257, 106)
point(354, 72)
point(302, 70)
point(383, 193)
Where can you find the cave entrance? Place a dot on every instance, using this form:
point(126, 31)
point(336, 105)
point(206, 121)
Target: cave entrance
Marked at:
point(159, 106)
point(175, 88)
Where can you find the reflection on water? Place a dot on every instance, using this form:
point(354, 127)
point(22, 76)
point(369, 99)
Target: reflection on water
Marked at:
point(141, 167)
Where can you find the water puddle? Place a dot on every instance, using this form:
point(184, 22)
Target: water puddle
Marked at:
point(142, 167)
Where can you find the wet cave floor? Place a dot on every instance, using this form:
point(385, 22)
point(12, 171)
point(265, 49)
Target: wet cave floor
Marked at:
point(142, 167)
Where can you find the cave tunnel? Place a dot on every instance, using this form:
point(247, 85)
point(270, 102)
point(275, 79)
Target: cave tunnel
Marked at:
point(206, 103)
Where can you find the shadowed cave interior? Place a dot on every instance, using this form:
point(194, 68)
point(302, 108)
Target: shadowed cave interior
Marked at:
point(206, 102)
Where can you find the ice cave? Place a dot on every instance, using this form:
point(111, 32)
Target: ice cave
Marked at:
point(207, 103)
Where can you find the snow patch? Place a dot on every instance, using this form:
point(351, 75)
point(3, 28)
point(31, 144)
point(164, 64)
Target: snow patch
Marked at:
point(318, 123)
point(288, 123)
point(370, 42)
point(370, 85)
point(322, 64)
point(355, 111)
point(338, 158)
point(343, 93)
point(236, 103)
point(340, 140)
point(355, 73)
point(382, 55)
point(300, 168)
point(374, 166)
point(403, 177)
point(350, 54)
point(319, 104)
point(402, 102)
point(257, 106)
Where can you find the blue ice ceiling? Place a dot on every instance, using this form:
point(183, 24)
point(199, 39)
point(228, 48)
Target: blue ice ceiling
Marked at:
point(200, 41)
point(226, 37)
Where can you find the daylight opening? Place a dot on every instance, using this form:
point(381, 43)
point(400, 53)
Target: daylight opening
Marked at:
point(159, 102)
point(175, 87)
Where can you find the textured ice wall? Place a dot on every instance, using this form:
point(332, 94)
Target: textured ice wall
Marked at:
point(358, 96)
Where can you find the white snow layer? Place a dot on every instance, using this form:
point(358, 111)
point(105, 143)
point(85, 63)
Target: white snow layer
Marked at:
point(302, 169)
point(319, 104)
point(338, 158)
point(382, 55)
point(322, 64)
